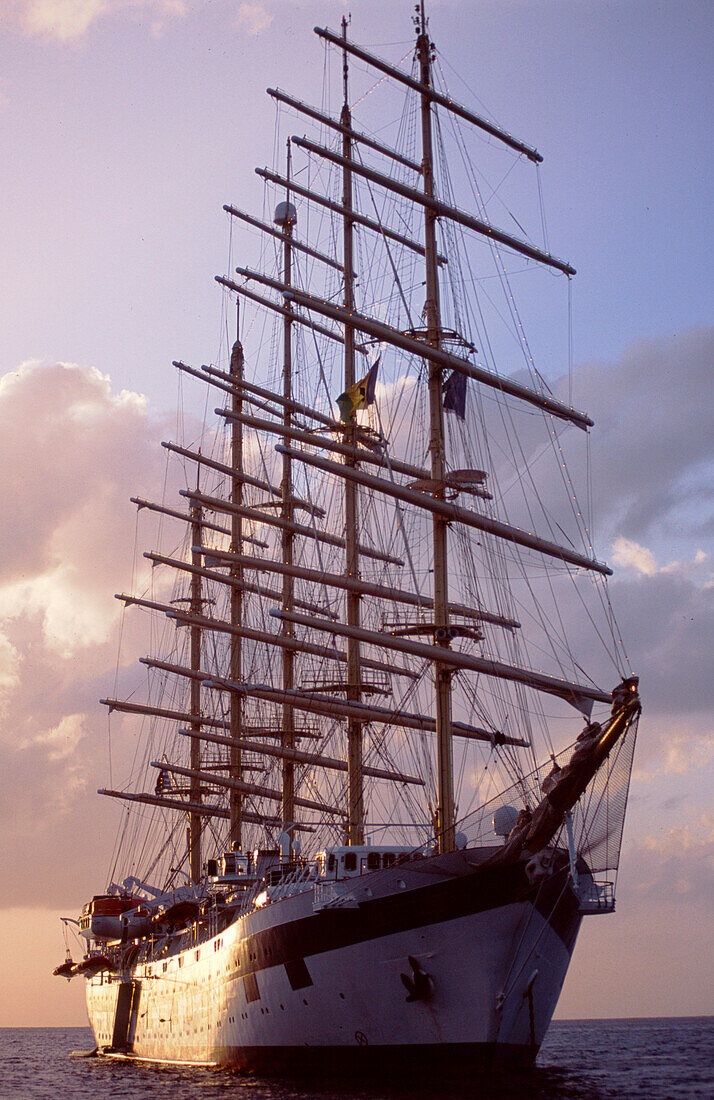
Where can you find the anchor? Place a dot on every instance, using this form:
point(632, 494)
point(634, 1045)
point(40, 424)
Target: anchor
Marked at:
point(420, 985)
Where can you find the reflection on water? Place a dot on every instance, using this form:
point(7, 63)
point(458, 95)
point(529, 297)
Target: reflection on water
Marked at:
point(668, 1059)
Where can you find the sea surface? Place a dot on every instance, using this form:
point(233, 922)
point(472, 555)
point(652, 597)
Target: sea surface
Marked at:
point(662, 1059)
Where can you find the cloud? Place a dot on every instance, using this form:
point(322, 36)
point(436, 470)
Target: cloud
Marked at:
point(630, 554)
point(678, 862)
point(69, 449)
point(653, 412)
point(253, 18)
point(70, 20)
point(73, 450)
point(676, 754)
point(9, 666)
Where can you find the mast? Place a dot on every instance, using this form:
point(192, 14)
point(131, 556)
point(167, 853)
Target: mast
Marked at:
point(355, 812)
point(196, 817)
point(442, 673)
point(235, 836)
point(285, 217)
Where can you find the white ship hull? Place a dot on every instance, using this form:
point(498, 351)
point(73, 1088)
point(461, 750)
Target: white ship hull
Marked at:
point(298, 983)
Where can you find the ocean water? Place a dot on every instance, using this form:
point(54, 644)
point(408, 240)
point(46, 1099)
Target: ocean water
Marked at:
point(664, 1059)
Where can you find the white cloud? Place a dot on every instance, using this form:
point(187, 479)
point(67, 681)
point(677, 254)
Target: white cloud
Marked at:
point(677, 754)
point(630, 554)
point(9, 666)
point(62, 740)
point(61, 19)
point(70, 20)
point(689, 838)
point(253, 18)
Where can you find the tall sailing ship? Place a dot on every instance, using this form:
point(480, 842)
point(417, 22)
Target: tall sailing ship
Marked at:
point(379, 790)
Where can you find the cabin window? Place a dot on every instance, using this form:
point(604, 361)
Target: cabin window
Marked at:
point(373, 861)
point(388, 859)
point(350, 861)
point(331, 861)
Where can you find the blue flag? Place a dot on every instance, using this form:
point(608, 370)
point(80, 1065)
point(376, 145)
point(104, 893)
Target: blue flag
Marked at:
point(455, 394)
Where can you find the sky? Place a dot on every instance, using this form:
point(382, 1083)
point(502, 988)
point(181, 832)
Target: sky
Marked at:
point(125, 126)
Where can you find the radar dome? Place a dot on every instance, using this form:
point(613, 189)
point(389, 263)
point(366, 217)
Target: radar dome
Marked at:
point(504, 819)
point(285, 214)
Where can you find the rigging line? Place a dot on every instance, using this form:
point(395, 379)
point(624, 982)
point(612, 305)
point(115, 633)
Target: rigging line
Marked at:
point(570, 338)
point(398, 509)
point(494, 195)
point(389, 255)
point(496, 254)
point(541, 204)
point(443, 62)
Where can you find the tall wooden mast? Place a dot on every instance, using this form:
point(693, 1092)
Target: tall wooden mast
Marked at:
point(355, 810)
point(236, 597)
point(285, 217)
point(195, 818)
point(442, 673)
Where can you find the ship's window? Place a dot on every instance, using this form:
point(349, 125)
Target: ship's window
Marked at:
point(331, 861)
point(350, 861)
point(388, 859)
point(373, 861)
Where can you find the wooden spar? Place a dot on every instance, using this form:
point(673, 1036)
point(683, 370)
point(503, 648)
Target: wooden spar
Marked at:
point(338, 709)
point(299, 645)
point(176, 515)
point(431, 94)
point(263, 636)
point(276, 399)
point(220, 467)
point(196, 605)
point(198, 808)
point(354, 832)
point(200, 374)
point(205, 525)
point(367, 588)
point(341, 128)
point(218, 505)
point(248, 731)
point(235, 836)
point(427, 351)
point(455, 513)
point(445, 824)
point(442, 209)
point(211, 376)
point(240, 787)
point(358, 454)
point(539, 680)
point(287, 535)
point(238, 476)
point(219, 578)
point(260, 300)
point(202, 809)
point(336, 208)
point(299, 245)
point(300, 757)
point(160, 712)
